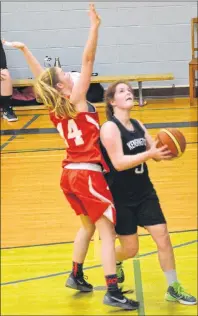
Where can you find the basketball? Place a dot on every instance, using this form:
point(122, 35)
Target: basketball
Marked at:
point(174, 139)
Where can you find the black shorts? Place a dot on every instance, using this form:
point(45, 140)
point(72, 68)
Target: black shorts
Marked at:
point(147, 213)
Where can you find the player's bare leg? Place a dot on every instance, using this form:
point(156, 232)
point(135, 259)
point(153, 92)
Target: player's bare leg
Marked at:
point(114, 296)
point(161, 237)
point(128, 248)
point(83, 239)
point(76, 279)
point(166, 257)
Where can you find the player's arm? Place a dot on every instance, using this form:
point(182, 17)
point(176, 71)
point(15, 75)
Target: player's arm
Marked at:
point(79, 92)
point(111, 140)
point(32, 62)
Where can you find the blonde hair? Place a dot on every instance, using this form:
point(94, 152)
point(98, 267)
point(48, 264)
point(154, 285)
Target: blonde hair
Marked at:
point(54, 100)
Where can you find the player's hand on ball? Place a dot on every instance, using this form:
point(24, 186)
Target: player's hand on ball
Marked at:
point(161, 153)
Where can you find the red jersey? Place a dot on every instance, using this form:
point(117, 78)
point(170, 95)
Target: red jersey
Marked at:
point(81, 136)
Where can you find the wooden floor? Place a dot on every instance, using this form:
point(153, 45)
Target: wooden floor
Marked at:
point(34, 212)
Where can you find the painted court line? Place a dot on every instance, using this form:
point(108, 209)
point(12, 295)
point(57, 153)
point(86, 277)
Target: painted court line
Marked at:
point(71, 242)
point(138, 276)
point(34, 118)
point(49, 149)
point(31, 150)
point(86, 268)
point(61, 261)
point(138, 285)
point(54, 130)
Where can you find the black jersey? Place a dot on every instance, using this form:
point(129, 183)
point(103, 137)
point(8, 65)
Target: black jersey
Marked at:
point(132, 185)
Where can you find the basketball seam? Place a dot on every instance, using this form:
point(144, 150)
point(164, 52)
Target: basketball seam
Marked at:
point(174, 139)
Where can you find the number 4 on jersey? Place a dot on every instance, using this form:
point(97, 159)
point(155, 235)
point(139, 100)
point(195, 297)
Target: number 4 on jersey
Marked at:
point(74, 132)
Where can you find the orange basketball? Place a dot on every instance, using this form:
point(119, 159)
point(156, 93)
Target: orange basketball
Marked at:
point(174, 139)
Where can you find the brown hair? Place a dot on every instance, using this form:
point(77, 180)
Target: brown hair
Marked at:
point(47, 93)
point(109, 96)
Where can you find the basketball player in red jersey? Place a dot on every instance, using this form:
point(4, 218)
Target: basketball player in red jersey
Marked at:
point(82, 179)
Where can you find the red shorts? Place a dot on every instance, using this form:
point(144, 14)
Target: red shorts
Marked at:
point(88, 193)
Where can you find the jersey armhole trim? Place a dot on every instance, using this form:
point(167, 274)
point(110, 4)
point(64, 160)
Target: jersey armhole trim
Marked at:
point(138, 126)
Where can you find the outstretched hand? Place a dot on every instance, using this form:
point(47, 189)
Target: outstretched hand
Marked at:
point(18, 45)
point(94, 17)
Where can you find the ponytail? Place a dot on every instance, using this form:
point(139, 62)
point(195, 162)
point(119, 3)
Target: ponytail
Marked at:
point(54, 100)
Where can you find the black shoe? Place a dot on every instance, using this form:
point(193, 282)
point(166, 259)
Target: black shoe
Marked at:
point(117, 299)
point(9, 115)
point(78, 283)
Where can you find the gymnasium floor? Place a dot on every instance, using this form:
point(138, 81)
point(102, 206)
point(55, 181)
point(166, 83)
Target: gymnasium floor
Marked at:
point(38, 226)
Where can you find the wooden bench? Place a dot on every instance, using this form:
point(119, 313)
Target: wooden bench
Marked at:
point(111, 79)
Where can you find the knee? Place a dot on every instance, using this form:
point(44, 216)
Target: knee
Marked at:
point(108, 237)
point(89, 232)
point(106, 230)
point(163, 241)
point(5, 75)
point(6, 83)
point(131, 251)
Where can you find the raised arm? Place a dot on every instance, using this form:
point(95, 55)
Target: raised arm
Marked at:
point(32, 62)
point(111, 140)
point(78, 96)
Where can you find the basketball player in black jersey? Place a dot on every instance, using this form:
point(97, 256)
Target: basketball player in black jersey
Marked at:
point(126, 146)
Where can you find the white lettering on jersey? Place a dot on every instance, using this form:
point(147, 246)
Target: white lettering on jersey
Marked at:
point(136, 143)
point(139, 169)
point(74, 132)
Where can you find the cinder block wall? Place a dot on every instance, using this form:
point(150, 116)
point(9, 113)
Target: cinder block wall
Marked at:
point(135, 37)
